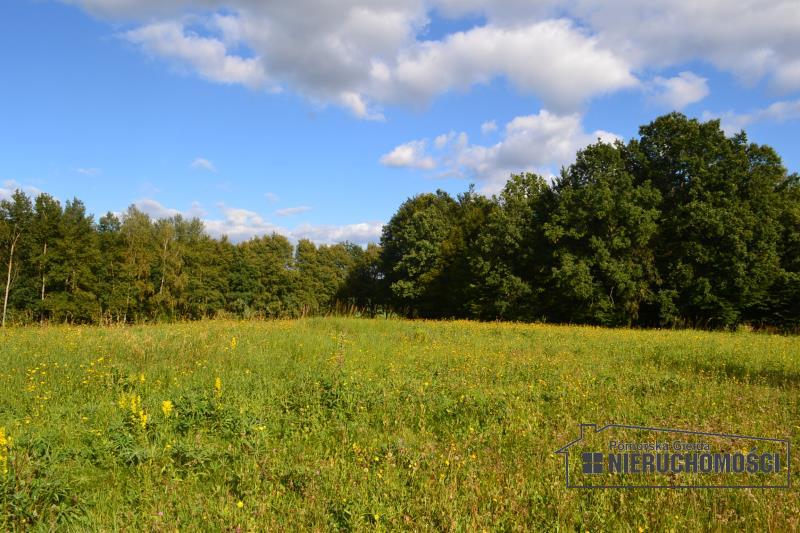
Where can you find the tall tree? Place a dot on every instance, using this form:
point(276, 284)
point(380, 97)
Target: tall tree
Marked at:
point(601, 229)
point(140, 251)
point(76, 256)
point(15, 220)
point(717, 248)
point(364, 287)
point(515, 257)
point(112, 290)
point(413, 254)
point(44, 230)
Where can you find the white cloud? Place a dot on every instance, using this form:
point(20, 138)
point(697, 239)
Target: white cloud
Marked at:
point(409, 155)
point(361, 54)
point(361, 233)
point(488, 127)
point(271, 197)
point(356, 104)
point(196, 211)
point(155, 209)
point(539, 143)
point(242, 224)
point(752, 39)
point(678, 92)
point(732, 122)
point(203, 164)
point(290, 211)
point(208, 56)
point(569, 65)
point(441, 140)
point(91, 171)
point(10, 186)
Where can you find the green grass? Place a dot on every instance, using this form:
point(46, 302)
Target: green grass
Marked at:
point(357, 424)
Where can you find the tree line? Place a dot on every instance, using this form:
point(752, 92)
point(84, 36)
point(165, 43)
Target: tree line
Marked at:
point(61, 266)
point(683, 226)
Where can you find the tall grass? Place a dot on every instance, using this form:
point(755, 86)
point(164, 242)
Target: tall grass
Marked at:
point(351, 424)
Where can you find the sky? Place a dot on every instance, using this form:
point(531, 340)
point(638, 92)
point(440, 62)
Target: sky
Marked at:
point(318, 118)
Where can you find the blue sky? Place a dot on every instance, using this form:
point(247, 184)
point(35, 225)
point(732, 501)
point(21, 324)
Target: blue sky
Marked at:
point(318, 120)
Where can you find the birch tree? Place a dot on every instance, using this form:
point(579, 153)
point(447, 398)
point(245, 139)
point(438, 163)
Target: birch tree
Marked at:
point(15, 218)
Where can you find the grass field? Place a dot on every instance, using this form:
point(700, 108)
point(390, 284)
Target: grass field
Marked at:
point(371, 424)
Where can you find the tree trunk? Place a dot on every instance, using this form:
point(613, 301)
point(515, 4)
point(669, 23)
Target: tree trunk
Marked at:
point(8, 279)
point(163, 266)
point(44, 254)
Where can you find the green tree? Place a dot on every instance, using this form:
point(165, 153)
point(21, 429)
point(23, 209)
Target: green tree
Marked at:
point(75, 257)
point(601, 229)
point(139, 255)
point(413, 257)
point(44, 230)
point(717, 248)
point(515, 257)
point(112, 284)
point(15, 219)
point(364, 287)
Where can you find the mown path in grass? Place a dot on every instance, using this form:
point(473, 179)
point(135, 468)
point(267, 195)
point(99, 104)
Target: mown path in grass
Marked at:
point(357, 424)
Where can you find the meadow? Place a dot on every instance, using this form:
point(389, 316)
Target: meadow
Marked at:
point(351, 424)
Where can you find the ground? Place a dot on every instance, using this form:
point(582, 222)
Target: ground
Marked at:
point(354, 424)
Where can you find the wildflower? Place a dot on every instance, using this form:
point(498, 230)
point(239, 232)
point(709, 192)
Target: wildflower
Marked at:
point(5, 446)
point(136, 402)
point(166, 408)
point(218, 387)
point(233, 343)
point(142, 419)
point(240, 504)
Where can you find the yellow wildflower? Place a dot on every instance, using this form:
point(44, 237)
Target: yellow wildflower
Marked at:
point(240, 504)
point(218, 387)
point(166, 408)
point(136, 402)
point(233, 343)
point(5, 446)
point(142, 419)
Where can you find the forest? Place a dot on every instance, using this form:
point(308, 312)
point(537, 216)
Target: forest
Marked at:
point(683, 226)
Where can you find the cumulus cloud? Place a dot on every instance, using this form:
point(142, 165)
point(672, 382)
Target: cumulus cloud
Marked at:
point(203, 164)
point(488, 127)
point(362, 54)
point(409, 155)
point(290, 211)
point(678, 92)
point(552, 59)
point(241, 224)
point(752, 40)
point(155, 209)
point(732, 122)
point(362, 233)
point(208, 56)
point(540, 143)
point(10, 186)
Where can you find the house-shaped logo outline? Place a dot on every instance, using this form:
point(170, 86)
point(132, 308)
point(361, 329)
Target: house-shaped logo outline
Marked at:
point(585, 430)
